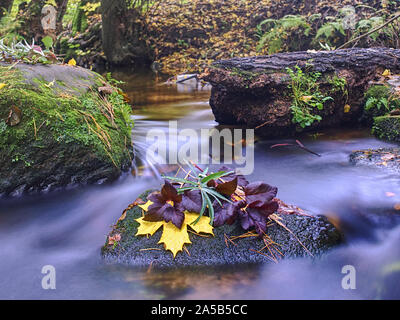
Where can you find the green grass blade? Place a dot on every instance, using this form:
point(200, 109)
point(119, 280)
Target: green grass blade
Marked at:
point(212, 176)
point(203, 207)
point(179, 180)
point(216, 194)
point(210, 208)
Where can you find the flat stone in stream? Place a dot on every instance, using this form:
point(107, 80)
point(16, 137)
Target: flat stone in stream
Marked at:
point(317, 234)
point(384, 158)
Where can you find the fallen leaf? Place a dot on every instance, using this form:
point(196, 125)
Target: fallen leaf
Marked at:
point(106, 89)
point(386, 73)
point(306, 98)
point(14, 116)
point(347, 108)
point(148, 227)
point(145, 206)
point(387, 157)
point(115, 238)
point(203, 225)
point(172, 237)
point(72, 62)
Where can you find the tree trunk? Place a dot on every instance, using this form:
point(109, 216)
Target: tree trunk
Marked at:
point(5, 5)
point(61, 9)
point(121, 33)
point(255, 91)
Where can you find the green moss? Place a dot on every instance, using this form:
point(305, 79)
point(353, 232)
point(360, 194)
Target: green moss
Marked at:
point(245, 75)
point(387, 128)
point(127, 226)
point(50, 116)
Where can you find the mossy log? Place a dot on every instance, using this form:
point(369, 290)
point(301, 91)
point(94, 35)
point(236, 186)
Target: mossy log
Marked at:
point(257, 92)
point(57, 129)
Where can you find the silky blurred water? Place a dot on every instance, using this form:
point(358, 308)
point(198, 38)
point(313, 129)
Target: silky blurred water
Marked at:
point(67, 229)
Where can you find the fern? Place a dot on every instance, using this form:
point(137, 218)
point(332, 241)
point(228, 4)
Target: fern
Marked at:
point(272, 33)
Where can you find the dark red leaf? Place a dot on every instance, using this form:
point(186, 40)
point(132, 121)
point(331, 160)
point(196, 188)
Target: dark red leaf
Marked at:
point(227, 188)
point(169, 192)
point(192, 201)
point(259, 194)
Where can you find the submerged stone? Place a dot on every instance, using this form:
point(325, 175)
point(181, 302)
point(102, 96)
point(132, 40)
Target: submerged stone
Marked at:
point(384, 158)
point(57, 130)
point(311, 235)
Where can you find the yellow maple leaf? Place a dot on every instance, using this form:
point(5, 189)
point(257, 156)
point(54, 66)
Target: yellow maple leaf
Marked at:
point(145, 206)
point(72, 62)
point(172, 237)
point(2, 85)
point(203, 225)
point(148, 227)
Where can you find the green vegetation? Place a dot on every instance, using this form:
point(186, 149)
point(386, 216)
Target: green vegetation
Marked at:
point(299, 32)
point(387, 128)
point(53, 115)
point(200, 182)
point(307, 97)
point(379, 101)
point(285, 34)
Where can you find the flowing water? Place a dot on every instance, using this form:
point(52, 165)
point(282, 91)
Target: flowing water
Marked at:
point(67, 229)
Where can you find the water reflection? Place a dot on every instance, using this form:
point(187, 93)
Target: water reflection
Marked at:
point(67, 229)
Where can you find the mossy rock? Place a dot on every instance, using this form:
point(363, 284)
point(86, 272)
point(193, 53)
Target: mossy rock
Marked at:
point(58, 130)
point(387, 128)
point(317, 234)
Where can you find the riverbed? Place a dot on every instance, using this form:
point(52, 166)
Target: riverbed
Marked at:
point(67, 229)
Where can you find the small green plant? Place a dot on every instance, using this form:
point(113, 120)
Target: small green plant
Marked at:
point(380, 101)
point(112, 81)
point(182, 43)
point(201, 184)
point(338, 84)
point(27, 53)
point(274, 33)
point(307, 97)
point(330, 32)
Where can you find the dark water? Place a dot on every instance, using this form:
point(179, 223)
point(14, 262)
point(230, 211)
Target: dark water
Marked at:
point(67, 230)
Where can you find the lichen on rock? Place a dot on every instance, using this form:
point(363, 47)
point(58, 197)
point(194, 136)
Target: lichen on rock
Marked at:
point(69, 132)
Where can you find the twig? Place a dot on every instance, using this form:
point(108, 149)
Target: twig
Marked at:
point(370, 32)
point(298, 144)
